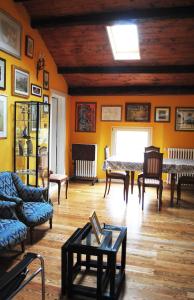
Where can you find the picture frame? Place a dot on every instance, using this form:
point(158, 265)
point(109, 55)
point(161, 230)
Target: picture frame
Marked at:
point(3, 116)
point(36, 90)
point(184, 119)
point(20, 82)
point(137, 112)
point(162, 114)
point(96, 227)
point(29, 46)
point(111, 113)
point(45, 80)
point(10, 35)
point(2, 74)
point(85, 117)
point(45, 101)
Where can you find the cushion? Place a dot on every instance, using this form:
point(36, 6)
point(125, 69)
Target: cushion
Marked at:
point(35, 213)
point(11, 232)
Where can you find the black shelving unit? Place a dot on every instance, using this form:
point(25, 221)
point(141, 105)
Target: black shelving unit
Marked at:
point(31, 142)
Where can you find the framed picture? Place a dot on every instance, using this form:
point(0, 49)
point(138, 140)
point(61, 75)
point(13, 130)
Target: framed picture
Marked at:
point(184, 118)
point(10, 35)
point(46, 101)
point(111, 112)
point(36, 90)
point(85, 117)
point(162, 114)
point(96, 227)
point(45, 80)
point(3, 116)
point(137, 112)
point(29, 46)
point(2, 74)
point(20, 82)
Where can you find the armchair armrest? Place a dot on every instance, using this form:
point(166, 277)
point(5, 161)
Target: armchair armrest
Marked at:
point(7, 209)
point(5, 197)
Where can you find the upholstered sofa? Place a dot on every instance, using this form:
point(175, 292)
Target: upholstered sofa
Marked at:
point(12, 231)
point(33, 207)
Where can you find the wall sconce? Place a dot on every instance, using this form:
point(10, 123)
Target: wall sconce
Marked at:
point(40, 64)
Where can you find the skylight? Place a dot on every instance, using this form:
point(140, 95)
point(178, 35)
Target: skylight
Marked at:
point(124, 41)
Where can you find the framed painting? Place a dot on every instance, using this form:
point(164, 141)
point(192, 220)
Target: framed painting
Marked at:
point(20, 82)
point(3, 117)
point(2, 74)
point(29, 46)
point(85, 117)
point(36, 90)
point(111, 113)
point(10, 35)
point(45, 80)
point(96, 227)
point(184, 118)
point(46, 101)
point(162, 114)
point(137, 112)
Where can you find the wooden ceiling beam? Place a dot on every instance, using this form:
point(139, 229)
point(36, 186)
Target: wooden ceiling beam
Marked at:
point(130, 90)
point(121, 17)
point(170, 69)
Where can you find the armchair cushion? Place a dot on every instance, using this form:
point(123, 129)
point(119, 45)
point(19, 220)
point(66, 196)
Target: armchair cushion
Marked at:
point(11, 232)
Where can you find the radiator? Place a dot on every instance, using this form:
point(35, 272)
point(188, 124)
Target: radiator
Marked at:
point(85, 168)
point(180, 153)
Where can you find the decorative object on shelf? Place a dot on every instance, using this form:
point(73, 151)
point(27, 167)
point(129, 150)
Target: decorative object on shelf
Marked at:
point(162, 114)
point(29, 147)
point(3, 116)
point(96, 227)
point(25, 132)
point(36, 90)
point(85, 117)
point(45, 80)
point(10, 35)
point(20, 82)
point(111, 112)
point(29, 46)
point(40, 65)
point(2, 74)
point(21, 147)
point(184, 119)
point(137, 112)
point(46, 101)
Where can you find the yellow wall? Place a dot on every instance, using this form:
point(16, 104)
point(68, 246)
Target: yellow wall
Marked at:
point(56, 81)
point(164, 134)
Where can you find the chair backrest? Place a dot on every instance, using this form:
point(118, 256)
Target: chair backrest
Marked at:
point(106, 152)
point(152, 148)
point(152, 167)
point(7, 185)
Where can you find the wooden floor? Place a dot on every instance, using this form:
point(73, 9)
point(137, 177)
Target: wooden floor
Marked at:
point(160, 246)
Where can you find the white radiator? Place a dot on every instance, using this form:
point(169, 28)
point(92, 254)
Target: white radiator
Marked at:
point(85, 168)
point(180, 153)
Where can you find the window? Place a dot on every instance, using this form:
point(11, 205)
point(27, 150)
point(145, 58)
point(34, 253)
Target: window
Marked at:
point(124, 41)
point(131, 141)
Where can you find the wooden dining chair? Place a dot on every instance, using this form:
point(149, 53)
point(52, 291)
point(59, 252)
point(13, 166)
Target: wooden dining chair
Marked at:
point(152, 176)
point(183, 181)
point(118, 175)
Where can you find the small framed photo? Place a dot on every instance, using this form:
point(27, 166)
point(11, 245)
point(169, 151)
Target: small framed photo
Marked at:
point(85, 117)
point(46, 101)
point(36, 90)
point(162, 114)
point(10, 35)
point(20, 82)
point(3, 117)
point(96, 227)
point(45, 80)
point(2, 74)
point(137, 112)
point(29, 46)
point(184, 119)
point(111, 113)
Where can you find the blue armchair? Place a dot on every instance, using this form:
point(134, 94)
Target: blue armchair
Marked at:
point(33, 207)
point(12, 231)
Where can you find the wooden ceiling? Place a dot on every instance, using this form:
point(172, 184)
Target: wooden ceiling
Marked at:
point(75, 34)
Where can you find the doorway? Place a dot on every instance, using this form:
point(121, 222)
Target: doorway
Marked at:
point(58, 133)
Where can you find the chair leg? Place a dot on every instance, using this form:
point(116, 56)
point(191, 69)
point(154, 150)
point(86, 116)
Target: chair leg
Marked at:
point(23, 246)
point(109, 186)
point(106, 186)
point(143, 191)
point(67, 184)
point(178, 193)
point(59, 191)
point(160, 198)
point(51, 223)
point(139, 188)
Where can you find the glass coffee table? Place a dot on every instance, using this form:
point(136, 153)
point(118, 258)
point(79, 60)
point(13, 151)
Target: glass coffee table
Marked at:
point(92, 269)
